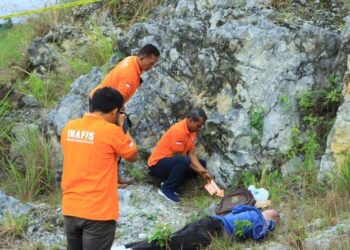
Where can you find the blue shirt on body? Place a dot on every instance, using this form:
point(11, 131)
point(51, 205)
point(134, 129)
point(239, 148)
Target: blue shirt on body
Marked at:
point(258, 229)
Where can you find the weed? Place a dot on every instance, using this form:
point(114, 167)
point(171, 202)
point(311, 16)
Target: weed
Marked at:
point(128, 12)
point(35, 246)
point(13, 43)
point(202, 201)
point(248, 178)
point(284, 101)
point(341, 175)
point(241, 226)
point(36, 175)
point(13, 226)
point(223, 242)
point(136, 173)
point(161, 235)
point(5, 124)
point(256, 119)
point(305, 101)
point(101, 46)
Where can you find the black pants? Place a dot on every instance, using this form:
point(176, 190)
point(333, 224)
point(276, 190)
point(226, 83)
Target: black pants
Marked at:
point(192, 237)
point(85, 234)
point(174, 170)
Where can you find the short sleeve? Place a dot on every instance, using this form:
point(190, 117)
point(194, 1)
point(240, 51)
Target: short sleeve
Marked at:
point(128, 84)
point(123, 145)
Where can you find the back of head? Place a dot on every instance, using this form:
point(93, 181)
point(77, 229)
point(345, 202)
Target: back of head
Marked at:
point(197, 113)
point(106, 99)
point(149, 50)
point(270, 214)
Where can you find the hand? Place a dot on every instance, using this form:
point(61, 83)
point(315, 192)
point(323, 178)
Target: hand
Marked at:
point(206, 176)
point(121, 119)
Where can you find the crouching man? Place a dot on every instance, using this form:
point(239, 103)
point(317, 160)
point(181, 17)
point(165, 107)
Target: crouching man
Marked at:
point(174, 159)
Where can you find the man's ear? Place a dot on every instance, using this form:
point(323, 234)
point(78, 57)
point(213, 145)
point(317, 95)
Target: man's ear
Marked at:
point(115, 111)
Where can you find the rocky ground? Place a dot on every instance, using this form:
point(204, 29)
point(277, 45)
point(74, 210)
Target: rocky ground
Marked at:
point(244, 41)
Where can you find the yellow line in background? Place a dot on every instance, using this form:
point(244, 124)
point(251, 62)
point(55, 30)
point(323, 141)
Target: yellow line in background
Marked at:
point(51, 8)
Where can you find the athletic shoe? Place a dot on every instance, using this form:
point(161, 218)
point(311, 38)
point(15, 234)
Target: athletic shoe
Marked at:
point(175, 192)
point(169, 195)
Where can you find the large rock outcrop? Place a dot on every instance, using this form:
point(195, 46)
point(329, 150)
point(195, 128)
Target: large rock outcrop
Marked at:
point(232, 59)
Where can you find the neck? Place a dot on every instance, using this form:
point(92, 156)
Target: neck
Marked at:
point(103, 115)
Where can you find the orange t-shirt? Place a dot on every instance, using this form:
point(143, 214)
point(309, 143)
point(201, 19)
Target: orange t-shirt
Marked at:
point(125, 77)
point(177, 139)
point(90, 147)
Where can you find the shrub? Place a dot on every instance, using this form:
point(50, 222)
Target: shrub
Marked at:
point(161, 234)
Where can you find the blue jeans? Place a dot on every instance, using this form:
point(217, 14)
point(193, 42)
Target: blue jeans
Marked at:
point(174, 171)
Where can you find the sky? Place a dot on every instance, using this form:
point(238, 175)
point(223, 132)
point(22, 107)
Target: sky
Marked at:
point(12, 6)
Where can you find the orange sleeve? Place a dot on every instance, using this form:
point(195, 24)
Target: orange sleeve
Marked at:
point(123, 145)
point(178, 141)
point(128, 84)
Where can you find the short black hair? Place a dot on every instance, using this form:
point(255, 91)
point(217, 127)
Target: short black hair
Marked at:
point(197, 113)
point(106, 99)
point(149, 50)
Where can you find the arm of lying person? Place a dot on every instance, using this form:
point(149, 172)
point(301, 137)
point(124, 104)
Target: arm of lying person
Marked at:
point(197, 166)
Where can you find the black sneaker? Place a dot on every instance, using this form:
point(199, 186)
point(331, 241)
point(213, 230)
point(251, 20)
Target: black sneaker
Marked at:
point(169, 195)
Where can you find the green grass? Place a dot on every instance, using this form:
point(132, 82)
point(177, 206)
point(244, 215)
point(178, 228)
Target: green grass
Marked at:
point(341, 175)
point(13, 226)
point(13, 43)
point(5, 124)
point(33, 174)
point(161, 234)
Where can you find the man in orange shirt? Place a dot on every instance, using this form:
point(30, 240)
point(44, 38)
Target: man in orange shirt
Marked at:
point(126, 78)
point(91, 146)
point(126, 75)
point(174, 158)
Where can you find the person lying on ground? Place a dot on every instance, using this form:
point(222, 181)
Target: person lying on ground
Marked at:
point(244, 221)
point(174, 159)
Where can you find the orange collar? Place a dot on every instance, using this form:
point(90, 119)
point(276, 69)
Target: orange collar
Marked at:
point(136, 65)
point(93, 116)
point(185, 127)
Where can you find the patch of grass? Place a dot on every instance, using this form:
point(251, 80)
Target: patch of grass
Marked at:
point(161, 235)
point(5, 124)
point(341, 175)
point(34, 175)
point(257, 123)
point(128, 12)
point(13, 226)
point(100, 46)
point(13, 43)
point(136, 173)
point(224, 242)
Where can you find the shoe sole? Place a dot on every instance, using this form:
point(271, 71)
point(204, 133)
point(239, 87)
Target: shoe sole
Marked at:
point(161, 193)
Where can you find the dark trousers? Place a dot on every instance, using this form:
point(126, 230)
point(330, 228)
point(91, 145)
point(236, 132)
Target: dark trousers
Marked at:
point(174, 171)
point(85, 234)
point(192, 237)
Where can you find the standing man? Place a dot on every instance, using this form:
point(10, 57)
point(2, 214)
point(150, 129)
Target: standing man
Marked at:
point(91, 146)
point(174, 158)
point(126, 78)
